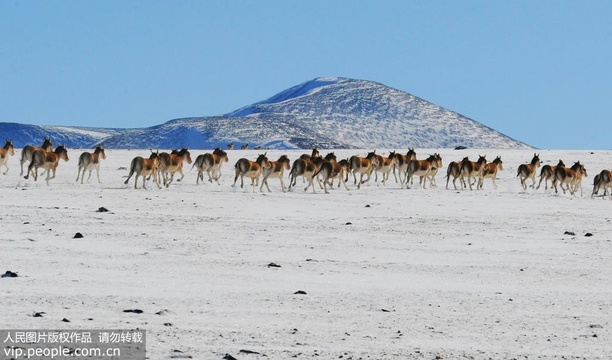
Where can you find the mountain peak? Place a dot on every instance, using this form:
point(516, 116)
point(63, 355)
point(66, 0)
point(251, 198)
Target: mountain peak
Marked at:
point(294, 92)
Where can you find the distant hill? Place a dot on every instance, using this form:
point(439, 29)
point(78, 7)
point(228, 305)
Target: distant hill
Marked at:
point(323, 113)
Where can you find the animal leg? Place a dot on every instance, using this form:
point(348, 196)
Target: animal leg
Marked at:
point(236, 178)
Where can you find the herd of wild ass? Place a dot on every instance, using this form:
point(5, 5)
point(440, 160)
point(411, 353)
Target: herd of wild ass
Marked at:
point(311, 167)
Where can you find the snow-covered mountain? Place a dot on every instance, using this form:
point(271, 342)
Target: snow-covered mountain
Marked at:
point(324, 113)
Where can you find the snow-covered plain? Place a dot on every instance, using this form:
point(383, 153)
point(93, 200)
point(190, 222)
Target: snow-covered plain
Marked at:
point(389, 273)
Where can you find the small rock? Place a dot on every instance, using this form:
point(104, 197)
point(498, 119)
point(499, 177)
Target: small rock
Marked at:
point(167, 324)
point(77, 236)
point(9, 274)
point(385, 310)
point(163, 312)
point(588, 234)
point(65, 320)
point(38, 314)
point(102, 209)
point(135, 311)
point(349, 223)
point(229, 357)
point(248, 352)
point(273, 265)
point(368, 205)
point(300, 292)
point(596, 326)
point(569, 233)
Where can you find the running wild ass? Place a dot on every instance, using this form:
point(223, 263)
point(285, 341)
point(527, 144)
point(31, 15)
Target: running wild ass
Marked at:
point(89, 161)
point(48, 160)
point(5, 152)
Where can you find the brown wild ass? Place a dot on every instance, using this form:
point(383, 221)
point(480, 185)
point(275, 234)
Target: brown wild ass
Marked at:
point(385, 166)
point(331, 169)
point(314, 154)
point(433, 172)
point(604, 178)
point(422, 168)
point(528, 171)
point(490, 171)
point(211, 163)
point(454, 170)
point(244, 147)
point(471, 169)
point(571, 177)
point(169, 164)
point(28, 150)
point(230, 146)
point(306, 169)
point(251, 169)
point(5, 152)
point(276, 170)
point(363, 166)
point(48, 160)
point(400, 162)
point(547, 173)
point(145, 168)
point(89, 161)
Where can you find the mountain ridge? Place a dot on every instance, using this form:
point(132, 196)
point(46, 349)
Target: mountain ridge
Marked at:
point(325, 112)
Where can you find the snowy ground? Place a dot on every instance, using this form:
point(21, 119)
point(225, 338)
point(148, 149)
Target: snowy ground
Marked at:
point(389, 273)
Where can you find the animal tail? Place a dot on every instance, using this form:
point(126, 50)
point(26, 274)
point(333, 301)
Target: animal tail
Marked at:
point(132, 170)
point(318, 171)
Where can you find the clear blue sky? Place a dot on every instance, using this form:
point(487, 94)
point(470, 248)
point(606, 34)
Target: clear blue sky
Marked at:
point(538, 71)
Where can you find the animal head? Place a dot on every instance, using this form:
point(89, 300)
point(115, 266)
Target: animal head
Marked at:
point(499, 163)
point(411, 154)
point(284, 160)
point(373, 158)
point(9, 147)
point(262, 160)
point(535, 160)
point(47, 145)
point(100, 151)
point(185, 154)
point(578, 167)
point(438, 162)
point(221, 154)
point(62, 152)
point(330, 157)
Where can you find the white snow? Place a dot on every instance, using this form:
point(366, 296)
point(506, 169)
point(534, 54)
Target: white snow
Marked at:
point(89, 132)
point(417, 273)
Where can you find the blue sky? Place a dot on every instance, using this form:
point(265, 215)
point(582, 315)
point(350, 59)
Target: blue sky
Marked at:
point(538, 71)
